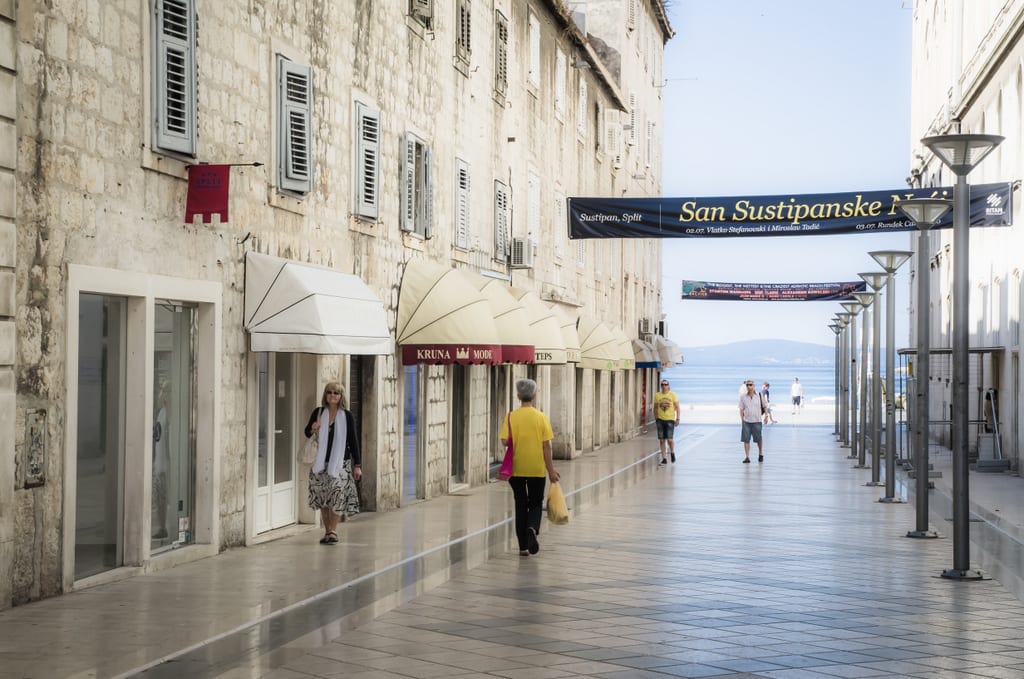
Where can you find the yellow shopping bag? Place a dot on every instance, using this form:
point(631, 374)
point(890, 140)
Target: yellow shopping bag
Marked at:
point(558, 513)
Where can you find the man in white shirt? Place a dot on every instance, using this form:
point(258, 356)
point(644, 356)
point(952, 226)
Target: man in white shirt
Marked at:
point(796, 392)
point(750, 421)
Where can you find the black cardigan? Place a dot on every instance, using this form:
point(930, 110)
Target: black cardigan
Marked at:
point(351, 440)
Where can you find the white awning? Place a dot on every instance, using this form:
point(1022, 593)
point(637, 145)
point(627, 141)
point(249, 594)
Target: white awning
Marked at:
point(668, 351)
point(302, 308)
point(645, 355)
point(625, 349)
point(545, 328)
point(510, 318)
point(570, 335)
point(599, 348)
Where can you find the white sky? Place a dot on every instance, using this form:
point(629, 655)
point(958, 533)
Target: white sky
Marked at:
point(769, 97)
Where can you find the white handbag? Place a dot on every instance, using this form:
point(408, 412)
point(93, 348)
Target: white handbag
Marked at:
point(309, 449)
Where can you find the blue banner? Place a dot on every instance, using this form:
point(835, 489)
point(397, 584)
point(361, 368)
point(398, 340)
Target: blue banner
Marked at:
point(798, 215)
point(772, 292)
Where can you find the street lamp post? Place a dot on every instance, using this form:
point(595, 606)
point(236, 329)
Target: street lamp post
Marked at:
point(890, 260)
point(961, 153)
point(924, 212)
point(852, 308)
point(875, 280)
point(836, 329)
point(844, 377)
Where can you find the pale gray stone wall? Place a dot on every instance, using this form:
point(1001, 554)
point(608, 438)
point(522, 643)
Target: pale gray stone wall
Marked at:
point(8, 264)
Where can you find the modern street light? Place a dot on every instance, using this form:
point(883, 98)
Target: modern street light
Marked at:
point(924, 212)
point(865, 300)
point(961, 153)
point(890, 260)
point(843, 318)
point(852, 308)
point(836, 329)
point(876, 281)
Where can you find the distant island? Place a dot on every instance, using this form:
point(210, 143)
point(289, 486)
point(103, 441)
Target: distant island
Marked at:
point(761, 352)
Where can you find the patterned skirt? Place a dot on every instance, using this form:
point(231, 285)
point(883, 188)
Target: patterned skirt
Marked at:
point(339, 493)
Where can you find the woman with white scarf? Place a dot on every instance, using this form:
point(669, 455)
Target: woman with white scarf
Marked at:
point(332, 487)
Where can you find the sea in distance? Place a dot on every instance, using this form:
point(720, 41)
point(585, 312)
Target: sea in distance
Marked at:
point(709, 384)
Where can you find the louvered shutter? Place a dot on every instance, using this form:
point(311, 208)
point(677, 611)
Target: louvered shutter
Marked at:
point(175, 79)
point(461, 204)
point(501, 243)
point(613, 133)
point(295, 172)
point(633, 118)
point(368, 158)
point(581, 110)
point(500, 53)
point(428, 194)
point(408, 183)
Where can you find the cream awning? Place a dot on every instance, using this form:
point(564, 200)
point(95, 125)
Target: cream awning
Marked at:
point(302, 308)
point(443, 318)
point(645, 355)
point(511, 319)
point(545, 328)
point(570, 334)
point(625, 349)
point(599, 348)
point(668, 351)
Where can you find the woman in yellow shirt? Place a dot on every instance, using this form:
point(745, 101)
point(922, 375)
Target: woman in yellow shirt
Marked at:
point(531, 463)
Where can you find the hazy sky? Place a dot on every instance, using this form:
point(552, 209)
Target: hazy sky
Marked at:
point(768, 97)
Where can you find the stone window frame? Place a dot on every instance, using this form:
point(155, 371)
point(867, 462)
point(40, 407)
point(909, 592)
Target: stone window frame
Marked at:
point(294, 144)
point(417, 217)
point(367, 161)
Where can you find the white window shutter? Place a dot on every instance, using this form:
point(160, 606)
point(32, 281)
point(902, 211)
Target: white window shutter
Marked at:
point(461, 204)
point(633, 118)
point(501, 240)
point(534, 72)
point(368, 160)
point(560, 226)
point(581, 110)
point(560, 67)
point(428, 191)
point(581, 252)
point(613, 132)
point(408, 183)
point(295, 105)
point(533, 205)
point(174, 86)
point(500, 53)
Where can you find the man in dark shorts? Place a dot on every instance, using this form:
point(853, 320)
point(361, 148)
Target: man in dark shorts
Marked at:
point(666, 413)
point(750, 419)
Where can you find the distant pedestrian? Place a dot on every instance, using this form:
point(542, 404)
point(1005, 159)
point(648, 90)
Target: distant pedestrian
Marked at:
point(796, 393)
point(766, 401)
point(666, 413)
point(750, 422)
point(532, 464)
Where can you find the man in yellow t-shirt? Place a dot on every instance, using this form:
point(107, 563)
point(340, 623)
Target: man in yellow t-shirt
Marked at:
point(666, 412)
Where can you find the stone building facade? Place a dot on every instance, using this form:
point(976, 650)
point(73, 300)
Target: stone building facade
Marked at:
point(968, 70)
point(156, 372)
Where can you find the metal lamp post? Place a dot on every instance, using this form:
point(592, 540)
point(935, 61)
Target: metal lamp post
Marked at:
point(924, 212)
point(843, 319)
point(890, 260)
point(836, 328)
point(852, 308)
point(864, 299)
point(875, 280)
point(961, 153)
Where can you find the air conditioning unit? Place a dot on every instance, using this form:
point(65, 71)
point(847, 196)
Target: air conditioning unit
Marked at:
point(646, 326)
point(522, 253)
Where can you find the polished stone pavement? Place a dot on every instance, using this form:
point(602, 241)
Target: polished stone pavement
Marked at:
point(709, 567)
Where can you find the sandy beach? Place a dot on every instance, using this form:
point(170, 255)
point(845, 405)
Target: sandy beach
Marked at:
point(811, 414)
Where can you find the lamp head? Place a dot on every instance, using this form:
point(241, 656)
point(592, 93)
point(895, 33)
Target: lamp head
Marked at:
point(875, 279)
point(925, 212)
point(890, 260)
point(961, 153)
point(864, 298)
point(852, 308)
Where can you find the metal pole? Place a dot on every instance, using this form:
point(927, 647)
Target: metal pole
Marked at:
point(876, 392)
point(844, 375)
point(835, 401)
point(921, 378)
point(852, 387)
point(961, 265)
point(890, 392)
point(865, 337)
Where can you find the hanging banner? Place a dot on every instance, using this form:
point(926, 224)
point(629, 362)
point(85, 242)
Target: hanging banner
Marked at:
point(207, 192)
point(772, 292)
point(803, 215)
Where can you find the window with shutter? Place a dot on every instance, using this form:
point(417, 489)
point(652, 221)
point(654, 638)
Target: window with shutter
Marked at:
point(462, 236)
point(613, 134)
point(533, 205)
point(423, 12)
point(560, 67)
point(560, 225)
point(417, 187)
point(501, 234)
point(649, 157)
point(500, 53)
point(581, 252)
point(463, 45)
point(294, 144)
point(367, 160)
point(581, 111)
point(633, 118)
point(174, 82)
